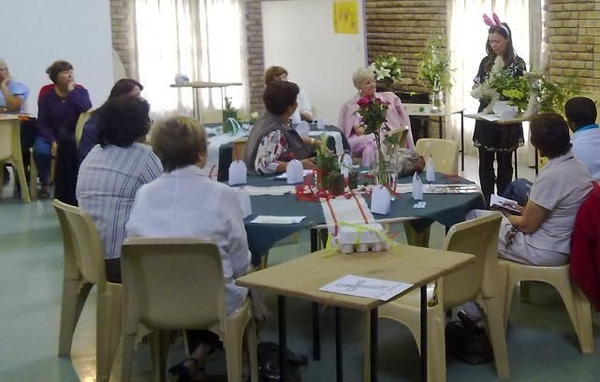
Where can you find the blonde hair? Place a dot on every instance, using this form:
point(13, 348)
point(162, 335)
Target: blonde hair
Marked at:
point(179, 142)
point(3, 64)
point(361, 76)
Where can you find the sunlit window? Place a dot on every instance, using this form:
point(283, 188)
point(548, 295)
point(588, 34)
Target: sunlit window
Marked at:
point(202, 39)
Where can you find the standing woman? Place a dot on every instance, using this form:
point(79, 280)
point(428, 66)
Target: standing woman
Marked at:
point(495, 141)
point(58, 111)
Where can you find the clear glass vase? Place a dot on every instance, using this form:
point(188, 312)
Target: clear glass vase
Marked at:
point(437, 101)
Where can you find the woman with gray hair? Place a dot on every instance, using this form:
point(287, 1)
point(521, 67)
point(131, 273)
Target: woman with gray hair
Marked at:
point(350, 122)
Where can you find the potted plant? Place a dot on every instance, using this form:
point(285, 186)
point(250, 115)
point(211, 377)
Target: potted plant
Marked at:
point(434, 71)
point(329, 175)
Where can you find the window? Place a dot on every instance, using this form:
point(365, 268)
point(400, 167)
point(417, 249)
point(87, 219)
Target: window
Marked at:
point(202, 39)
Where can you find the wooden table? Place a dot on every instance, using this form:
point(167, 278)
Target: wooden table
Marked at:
point(424, 110)
point(197, 85)
point(10, 149)
point(302, 278)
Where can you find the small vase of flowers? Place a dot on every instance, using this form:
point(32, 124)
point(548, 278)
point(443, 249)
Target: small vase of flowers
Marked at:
point(434, 71)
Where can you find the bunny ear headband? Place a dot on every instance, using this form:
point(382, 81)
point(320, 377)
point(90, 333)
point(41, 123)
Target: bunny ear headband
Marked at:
point(494, 22)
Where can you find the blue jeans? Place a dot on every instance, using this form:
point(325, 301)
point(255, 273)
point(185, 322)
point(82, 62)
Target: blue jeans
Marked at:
point(518, 190)
point(42, 157)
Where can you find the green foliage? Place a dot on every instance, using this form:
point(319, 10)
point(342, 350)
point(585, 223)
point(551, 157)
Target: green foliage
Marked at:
point(434, 69)
point(553, 96)
point(515, 90)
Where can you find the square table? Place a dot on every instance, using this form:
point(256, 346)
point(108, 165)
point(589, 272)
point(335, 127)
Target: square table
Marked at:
point(302, 278)
point(424, 110)
point(197, 85)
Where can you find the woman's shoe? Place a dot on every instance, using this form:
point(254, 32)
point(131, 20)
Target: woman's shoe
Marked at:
point(187, 374)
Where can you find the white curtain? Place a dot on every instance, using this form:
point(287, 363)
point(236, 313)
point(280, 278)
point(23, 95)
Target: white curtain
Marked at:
point(468, 36)
point(203, 39)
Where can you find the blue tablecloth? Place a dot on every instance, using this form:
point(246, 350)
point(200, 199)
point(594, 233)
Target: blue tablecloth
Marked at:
point(447, 209)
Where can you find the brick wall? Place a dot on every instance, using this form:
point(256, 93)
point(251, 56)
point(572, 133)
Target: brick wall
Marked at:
point(402, 27)
point(122, 16)
point(573, 38)
point(254, 43)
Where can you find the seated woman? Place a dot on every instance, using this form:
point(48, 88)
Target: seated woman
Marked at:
point(89, 135)
point(273, 142)
point(304, 110)
point(185, 203)
point(541, 235)
point(349, 121)
point(114, 170)
point(58, 111)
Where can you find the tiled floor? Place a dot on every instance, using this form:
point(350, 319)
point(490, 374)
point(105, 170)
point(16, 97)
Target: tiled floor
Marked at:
point(541, 342)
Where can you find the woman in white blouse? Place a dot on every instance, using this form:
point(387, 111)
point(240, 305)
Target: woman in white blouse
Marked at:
point(185, 203)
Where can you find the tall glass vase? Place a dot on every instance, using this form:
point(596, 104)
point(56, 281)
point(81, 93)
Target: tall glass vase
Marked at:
point(437, 100)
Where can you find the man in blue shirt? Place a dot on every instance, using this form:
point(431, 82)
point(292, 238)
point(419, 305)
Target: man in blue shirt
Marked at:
point(581, 115)
point(13, 96)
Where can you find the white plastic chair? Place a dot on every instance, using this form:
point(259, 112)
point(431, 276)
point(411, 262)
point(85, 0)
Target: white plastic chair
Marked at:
point(477, 282)
point(178, 284)
point(443, 151)
point(10, 151)
point(84, 268)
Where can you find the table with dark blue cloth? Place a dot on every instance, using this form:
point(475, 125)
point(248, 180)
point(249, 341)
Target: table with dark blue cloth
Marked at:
point(447, 209)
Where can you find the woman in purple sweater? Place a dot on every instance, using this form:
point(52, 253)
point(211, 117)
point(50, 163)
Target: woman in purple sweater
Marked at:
point(58, 111)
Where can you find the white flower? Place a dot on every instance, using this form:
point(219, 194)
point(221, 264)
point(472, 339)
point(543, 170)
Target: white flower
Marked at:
point(382, 73)
point(254, 115)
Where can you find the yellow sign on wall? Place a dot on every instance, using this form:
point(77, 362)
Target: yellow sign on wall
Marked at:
point(345, 17)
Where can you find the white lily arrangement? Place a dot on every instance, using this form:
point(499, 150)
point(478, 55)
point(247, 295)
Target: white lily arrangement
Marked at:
point(386, 69)
point(486, 90)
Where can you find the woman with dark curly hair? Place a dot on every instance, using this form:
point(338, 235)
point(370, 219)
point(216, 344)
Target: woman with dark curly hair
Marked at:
point(114, 170)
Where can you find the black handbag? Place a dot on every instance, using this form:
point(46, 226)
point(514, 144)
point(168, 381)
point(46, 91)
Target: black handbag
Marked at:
point(268, 363)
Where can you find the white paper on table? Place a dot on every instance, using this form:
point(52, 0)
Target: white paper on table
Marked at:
point(353, 285)
point(284, 176)
point(272, 219)
point(440, 188)
point(380, 200)
point(273, 190)
point(490, 117)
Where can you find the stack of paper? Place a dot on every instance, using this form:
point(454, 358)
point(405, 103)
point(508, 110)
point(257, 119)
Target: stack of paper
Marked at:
point(366, 287)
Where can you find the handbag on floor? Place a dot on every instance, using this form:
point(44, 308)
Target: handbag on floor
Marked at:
point(468, 342)
point(268, 363)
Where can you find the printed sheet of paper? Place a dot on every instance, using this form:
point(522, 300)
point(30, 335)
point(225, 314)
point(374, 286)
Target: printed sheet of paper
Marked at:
point(434, 188)
point(284, 175)
point(366, 287)
point(271, 219)
point(345, 17)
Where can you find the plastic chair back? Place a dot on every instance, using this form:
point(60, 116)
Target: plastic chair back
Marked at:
point(82, 243)
point(478, 237)
point(83, 117)
point(160, 275)
point(443, 151)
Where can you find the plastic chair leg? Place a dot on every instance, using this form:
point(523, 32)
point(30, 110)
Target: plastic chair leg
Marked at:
point(108, 330)
point(73, 300)
point(419, 239)
point(127, 358)
point(159, 350)
point(494, 320)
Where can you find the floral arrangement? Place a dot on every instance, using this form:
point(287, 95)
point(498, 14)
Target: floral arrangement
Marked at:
point(386, 69)
point(434, 69)
point(373, 113)
point(551, 97)
point(329, 176)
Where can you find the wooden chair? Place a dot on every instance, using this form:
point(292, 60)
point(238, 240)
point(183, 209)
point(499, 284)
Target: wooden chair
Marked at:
point(443, 151)
point(10, 151)
point(178, 284)
point(84, 268)
point(477, 282)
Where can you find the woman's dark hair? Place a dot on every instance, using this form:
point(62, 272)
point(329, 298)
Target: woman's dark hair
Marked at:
point(550, 135)
point(179, 142)
point(122, 120)
point(273, 72)
point(581, 111)
point(278, 95)
point(57, 67)
point(509, 53)
point(123, 87)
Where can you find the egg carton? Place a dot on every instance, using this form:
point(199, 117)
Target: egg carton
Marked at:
point(362, 238)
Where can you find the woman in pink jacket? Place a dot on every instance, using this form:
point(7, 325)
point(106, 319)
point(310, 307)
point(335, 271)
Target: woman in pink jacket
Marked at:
point(349, 121)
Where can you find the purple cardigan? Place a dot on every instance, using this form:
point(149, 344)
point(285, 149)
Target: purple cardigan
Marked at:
point(397, 116)
point(55, 112)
